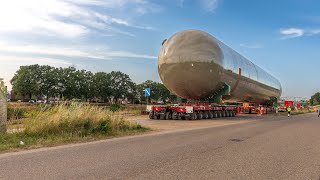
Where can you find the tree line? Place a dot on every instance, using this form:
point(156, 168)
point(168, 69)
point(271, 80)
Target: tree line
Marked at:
point(315, 99)
point(34, 81)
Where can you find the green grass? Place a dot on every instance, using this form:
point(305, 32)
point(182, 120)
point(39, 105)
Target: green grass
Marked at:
point(64, 124)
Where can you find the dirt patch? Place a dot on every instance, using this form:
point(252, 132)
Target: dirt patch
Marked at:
point(168, 125)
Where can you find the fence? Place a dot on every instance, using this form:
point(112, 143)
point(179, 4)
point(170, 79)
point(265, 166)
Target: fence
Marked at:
point(3, 106)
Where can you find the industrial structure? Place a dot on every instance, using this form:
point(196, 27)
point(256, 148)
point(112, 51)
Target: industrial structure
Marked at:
point(195, 65)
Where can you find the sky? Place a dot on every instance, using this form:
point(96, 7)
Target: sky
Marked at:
point(282, 37)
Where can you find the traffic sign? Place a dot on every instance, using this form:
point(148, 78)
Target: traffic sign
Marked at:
point(147, 92)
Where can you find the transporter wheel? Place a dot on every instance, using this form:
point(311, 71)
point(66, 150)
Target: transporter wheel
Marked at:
point(210, 115)
point(181, 117)
point(215, 114)
point(162, 116)
point(206, 115)
point(151, 115)
point(175, 115)
point(200, 115)
point(233, 114)
point(168, 115)
point(222, 114)
point(157, 116)
point(193, 116)
point(219, 114)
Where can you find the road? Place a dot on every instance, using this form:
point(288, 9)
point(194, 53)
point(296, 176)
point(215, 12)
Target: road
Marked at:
point(269, 148)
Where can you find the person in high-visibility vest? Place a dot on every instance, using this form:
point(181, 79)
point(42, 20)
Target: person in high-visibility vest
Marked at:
point(289, 111)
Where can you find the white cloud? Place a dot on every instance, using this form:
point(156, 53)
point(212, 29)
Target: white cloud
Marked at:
point(42, 50)
point(108, 3)
point(128, 55)
point(209, 5)
point(251, 46)
point(298, 32)
point(292, 32)
point(66, 18)
point(94, 53)
point(20, 61)
point(38, 16)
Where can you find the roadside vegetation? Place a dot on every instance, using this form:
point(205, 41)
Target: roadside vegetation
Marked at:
point(297, 112)
point(48, 125)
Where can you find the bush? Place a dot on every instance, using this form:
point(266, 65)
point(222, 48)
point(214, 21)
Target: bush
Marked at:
point(15, 113)
point(115, 107)
point(103, 126)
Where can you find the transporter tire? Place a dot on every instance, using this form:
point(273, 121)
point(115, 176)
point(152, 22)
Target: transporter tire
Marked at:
point(200, 115)
point(210, 115)
point(181, 117)
point(215, 114)
point(168, 116)
point(162, 116)
point(219, 114)
point(233, 114)
point(206, 115)
point(228, 114)
point(175, 115)
point(193, 116)
point(223, 114)
point(151, 115)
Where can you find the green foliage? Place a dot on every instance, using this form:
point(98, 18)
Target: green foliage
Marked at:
point(158, 92)
point(315, 99)
point(26, 81)
point(103, 126)
point(102, 85)
point(115, 107)
point(69, 83)
point(121, 85)
point(15, 113)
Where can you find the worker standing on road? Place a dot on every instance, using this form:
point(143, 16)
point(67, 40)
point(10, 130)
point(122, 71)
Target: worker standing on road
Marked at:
point(318, 111)
point(289, 111)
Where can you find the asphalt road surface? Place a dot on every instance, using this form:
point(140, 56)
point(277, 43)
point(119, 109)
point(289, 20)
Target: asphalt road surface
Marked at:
point(270, 148)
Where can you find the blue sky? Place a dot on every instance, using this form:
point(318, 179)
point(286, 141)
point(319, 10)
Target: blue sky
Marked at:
point(282, 37)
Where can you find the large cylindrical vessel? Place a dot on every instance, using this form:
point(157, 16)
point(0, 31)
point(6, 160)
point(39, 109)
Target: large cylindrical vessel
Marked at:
point(193, 64)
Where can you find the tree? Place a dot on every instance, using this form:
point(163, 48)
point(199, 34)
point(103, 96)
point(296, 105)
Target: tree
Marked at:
point(158, 91)
point(315, 99)
point(86, 84)
point(26, 81)
point(68, 83)
point(102, 85)
point(121, 85)
point(48, 81)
